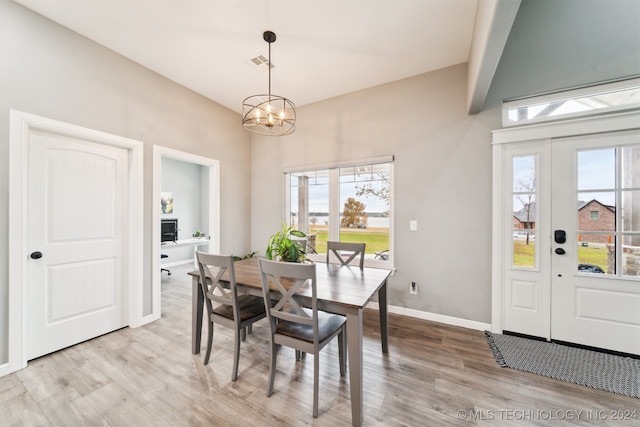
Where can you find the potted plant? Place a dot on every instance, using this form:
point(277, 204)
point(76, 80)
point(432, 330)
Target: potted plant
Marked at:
point(198, 234)
point(283, 247)
point(251, 254)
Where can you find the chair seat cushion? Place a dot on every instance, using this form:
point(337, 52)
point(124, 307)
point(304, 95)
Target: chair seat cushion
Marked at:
point(328, 324)
point(249, 306)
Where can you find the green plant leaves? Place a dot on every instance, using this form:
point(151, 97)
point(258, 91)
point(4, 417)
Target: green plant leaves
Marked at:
point(281, 245)
point(298, 233)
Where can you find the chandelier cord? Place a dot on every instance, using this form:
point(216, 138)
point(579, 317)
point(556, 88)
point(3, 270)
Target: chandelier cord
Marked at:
point(269, 71)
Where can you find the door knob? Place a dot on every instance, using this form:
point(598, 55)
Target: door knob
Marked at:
point(36, 255)
point(560, 251)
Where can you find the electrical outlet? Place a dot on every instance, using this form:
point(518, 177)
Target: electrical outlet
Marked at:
point(413, 288)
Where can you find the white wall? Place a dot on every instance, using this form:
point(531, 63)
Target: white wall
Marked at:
point(442, 180)
point(53, 72)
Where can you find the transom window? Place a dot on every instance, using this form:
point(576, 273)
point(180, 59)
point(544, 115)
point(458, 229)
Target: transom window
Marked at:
point(592, 100)
point(347, 203)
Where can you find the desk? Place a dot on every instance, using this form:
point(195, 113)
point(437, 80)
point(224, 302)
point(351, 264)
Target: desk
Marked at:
point(342, 290)
point(187, 242)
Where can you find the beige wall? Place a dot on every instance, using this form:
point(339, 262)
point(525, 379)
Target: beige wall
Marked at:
point(52, 72)
point(442, 180)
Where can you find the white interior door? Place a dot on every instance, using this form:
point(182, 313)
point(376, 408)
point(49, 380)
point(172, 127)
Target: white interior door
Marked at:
point(77, 207)
point(595, 267)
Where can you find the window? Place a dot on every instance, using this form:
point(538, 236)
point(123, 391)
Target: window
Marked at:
point(604, 98)
point(609, 179)
point(523, 196)
point(348, 203)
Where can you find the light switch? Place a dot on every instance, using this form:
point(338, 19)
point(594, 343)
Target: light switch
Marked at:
point(413, 225)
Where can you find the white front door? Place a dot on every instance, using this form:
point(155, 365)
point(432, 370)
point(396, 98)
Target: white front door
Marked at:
point(570, 241)
point(595, 256)
point(77, 207)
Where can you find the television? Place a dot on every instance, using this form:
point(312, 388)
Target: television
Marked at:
point(169, 230)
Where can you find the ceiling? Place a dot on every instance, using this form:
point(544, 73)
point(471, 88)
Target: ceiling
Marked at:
point(324, 48)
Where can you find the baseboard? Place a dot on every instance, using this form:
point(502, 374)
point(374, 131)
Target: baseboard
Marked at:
point(8, 368)
point(147, 319)
point(434, 317)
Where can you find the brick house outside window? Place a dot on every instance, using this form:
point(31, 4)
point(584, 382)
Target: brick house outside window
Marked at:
point(594, 216)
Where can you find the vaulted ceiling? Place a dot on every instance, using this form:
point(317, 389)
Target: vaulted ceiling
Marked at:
point(324, 48)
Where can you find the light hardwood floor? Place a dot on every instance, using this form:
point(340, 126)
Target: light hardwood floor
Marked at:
point(433, 375)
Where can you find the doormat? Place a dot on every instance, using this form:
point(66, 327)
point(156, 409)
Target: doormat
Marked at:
point(602, 371)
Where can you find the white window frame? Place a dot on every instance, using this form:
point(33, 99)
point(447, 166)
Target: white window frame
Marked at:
point(334, 201)
point(568, 95)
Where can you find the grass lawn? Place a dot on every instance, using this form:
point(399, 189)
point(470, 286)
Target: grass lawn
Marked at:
point(523, 255)
point(376, 239)
point(596, 255)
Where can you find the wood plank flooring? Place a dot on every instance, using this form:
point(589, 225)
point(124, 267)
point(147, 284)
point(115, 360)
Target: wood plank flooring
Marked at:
point(434, 375)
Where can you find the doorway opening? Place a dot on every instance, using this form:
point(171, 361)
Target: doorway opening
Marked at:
point(209, 216)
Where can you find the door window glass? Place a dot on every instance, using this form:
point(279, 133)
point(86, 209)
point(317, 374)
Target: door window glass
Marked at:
point(524, 211)
point(630, 210)
point(608, 214)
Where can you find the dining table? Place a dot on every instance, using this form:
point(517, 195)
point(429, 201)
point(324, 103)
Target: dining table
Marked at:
point(344, 290)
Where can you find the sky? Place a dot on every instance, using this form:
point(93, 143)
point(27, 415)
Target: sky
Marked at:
point(319, 197)
point(596, 172)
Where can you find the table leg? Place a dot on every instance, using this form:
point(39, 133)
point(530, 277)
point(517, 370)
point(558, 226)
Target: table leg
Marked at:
point(197, 305)
point(195, 257)
point(384, 322)
point(354, 350)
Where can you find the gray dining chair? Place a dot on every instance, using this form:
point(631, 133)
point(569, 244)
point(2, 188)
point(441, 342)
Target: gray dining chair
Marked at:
point(346, 252)
point(234, 311)
point(295, 321)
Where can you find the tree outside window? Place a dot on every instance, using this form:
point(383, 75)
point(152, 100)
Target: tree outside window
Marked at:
point(347, 203)
point(354, 215)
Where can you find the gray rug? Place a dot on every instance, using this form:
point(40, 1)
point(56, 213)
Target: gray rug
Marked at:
point(602, 371)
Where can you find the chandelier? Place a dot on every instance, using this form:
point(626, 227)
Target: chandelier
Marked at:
point(269, 114)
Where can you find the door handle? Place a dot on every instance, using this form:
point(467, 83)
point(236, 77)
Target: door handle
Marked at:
point(36, 255)
point(560, 251)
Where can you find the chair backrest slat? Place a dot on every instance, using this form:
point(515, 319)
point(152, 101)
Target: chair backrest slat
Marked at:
point(212, 267)
point(284, 282)
point(353, 250)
